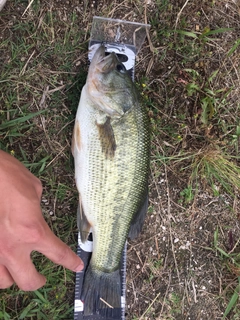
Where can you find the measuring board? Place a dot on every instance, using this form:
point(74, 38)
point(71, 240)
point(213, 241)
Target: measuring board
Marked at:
point(125, 39)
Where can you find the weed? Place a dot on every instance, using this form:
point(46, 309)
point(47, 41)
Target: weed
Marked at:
point(155, 268)
point(175, 301)
point(210, 100)
point(216, 169)
point(208, 167)
point(187, 194)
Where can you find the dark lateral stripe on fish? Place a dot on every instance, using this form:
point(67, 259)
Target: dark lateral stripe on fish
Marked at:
point(107, 139)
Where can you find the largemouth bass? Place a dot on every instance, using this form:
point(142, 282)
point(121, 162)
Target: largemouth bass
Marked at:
point(111, 153)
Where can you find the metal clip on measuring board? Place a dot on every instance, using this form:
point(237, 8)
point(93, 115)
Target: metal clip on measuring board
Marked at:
point(125, 38)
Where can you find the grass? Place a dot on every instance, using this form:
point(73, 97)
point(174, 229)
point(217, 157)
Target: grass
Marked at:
point(208, 121)
point(15, 127)
point(40, 92)
point(209, 167)
point(189, 80)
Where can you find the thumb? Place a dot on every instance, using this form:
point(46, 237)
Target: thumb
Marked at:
point(58, 252)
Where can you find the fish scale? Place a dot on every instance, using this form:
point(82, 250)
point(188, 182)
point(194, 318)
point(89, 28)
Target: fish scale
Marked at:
point(103, 200)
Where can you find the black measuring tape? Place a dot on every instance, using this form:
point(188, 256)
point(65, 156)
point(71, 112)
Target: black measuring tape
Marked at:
point(126, 55)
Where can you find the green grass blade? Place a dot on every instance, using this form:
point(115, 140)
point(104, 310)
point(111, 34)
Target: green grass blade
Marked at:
point(4, 316)
point(215, 238)
point(232, 302)
point(26, 311)
point(19, 120)
point(187, 33)
point(40, 296)
point(235, 46)
point(222, 252)
point(213, 75)
point(220, 30)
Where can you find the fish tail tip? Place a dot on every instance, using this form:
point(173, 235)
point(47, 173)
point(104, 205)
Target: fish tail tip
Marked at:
point(101, 292)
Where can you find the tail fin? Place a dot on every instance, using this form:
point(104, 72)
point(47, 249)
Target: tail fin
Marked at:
point(101, 292)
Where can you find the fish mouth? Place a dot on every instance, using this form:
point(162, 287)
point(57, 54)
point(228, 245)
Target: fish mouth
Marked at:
point(99, 54)
point(107, 63)
point(104, 62)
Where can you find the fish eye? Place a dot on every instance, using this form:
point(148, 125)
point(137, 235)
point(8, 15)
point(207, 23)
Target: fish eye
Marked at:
point(120, 68)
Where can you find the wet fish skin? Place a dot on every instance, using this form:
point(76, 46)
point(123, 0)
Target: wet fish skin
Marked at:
point(111, 152)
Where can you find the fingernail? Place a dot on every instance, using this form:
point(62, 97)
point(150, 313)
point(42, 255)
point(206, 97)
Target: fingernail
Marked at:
point(80, 268)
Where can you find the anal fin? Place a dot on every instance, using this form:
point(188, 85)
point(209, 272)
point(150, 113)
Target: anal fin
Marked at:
point(82, 222)
point(138, 220)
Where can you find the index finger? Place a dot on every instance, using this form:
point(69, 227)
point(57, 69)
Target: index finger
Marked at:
point(58, 252)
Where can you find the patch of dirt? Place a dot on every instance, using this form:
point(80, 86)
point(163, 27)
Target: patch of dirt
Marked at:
point(177, 260)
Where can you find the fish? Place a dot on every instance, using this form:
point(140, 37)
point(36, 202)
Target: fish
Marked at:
point(111, 150)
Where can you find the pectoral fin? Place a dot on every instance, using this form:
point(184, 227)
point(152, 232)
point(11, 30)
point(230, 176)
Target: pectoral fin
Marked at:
point(76, 138)
point(138, 220)
point(82, 223)
point(107, 138)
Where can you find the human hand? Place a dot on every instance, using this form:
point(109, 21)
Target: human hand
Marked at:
point(2, 3)
point(23, 229)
